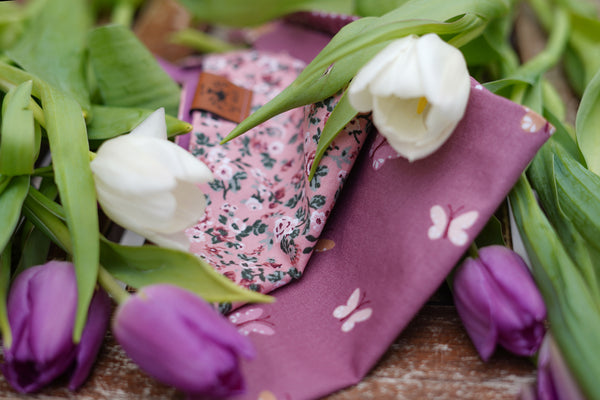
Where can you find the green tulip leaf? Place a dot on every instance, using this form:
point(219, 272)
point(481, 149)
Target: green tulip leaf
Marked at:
point(578, 192)
point(491, 234)
point(11, 202)
point(543, 176)
point(249, 13)
point(109, 122)
point(587, 125)
point(563, 138)
point(376, 8)
point(582, 61)
point(341, 115)
point(148, 265)
point(18, 144)
point(53, 47)
point(127, 73)
point(67, 136)
point(573, 312)
point(144, 265)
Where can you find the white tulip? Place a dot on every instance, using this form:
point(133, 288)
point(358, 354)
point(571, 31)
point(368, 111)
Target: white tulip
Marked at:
point(417, 88)
point(148, 184)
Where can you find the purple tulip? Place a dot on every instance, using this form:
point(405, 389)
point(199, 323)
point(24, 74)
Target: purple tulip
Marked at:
point(179, 339)
point(554, 380)
point(41, 310)
point(499, 303)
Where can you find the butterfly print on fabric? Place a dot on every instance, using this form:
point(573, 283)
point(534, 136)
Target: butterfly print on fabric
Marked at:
point(353, 311)
point(251, 321)
point(381, 151)
point(449, 225)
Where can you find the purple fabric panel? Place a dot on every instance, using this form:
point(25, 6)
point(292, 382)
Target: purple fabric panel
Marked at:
point(324, 22)
point(299, 42)
point(384, 259)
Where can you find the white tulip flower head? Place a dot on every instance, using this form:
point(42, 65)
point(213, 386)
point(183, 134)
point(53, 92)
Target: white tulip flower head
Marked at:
point(149, 185)
point(418, 89)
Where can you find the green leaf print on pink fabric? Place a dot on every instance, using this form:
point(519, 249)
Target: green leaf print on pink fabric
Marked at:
point(264, 217)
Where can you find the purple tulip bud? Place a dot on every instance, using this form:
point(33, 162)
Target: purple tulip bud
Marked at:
point(498, 302)
point(179, 339)
point(41, 310)
point(554, 380)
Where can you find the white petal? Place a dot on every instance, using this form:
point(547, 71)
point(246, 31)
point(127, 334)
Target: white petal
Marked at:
point(359, 92)
point(154, 126)
point(444, 72)
point(402, 77)
point(397, 119)
point(190, 207)
point(123, 164)
point(137, 213)
point(177, 241)
point(184, 165)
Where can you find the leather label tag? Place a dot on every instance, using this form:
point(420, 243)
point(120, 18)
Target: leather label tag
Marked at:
point(219, 96)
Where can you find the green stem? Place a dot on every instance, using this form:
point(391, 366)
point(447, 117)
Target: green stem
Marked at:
point(44, 171)
point(123, 12)
point(200, 41)
point(112, 286)
point(38, 113)
point(5, 261)
point(473, 251)
point(548, 57)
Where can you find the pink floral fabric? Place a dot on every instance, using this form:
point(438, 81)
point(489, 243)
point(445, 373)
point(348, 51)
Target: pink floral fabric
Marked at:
point(264, 217)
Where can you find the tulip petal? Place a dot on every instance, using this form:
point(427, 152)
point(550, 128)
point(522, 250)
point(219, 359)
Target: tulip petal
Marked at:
point(359, 91)
point(164, 329)
point(474, 306)
point(154, 126)
point(123, 164)
point(520, 310)
point(91, 339)
point(44, 348)
point(178, 240)
point(176, 161)
point(52, 311)
point(393, 78)
point(443, 70)
point(137, 213)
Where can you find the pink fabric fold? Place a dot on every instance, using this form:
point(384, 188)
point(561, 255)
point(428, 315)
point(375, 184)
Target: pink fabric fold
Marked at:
point(264, 216)
point(390, 242)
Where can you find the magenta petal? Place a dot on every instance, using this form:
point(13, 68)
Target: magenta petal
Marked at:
point(171, 334)
point(474, 307)
point(555, 381)
point(41, 309)
point(91, 338)
point(499, 302)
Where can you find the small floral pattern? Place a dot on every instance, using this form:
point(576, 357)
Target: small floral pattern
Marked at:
point(264, 216)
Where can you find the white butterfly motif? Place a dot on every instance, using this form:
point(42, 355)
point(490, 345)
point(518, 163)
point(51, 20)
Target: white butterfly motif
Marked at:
point(351, 312)
point(449, 225)
point(252, 321)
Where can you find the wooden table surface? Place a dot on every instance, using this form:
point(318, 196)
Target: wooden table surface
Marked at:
point(432, 359)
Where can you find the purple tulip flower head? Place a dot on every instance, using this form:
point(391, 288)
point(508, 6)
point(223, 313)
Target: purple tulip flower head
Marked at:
point(499, 303)
point(180, 340)
point(41, 310)
point(554, 380)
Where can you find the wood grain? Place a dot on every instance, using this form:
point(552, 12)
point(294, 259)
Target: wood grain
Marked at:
point(432, 359)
